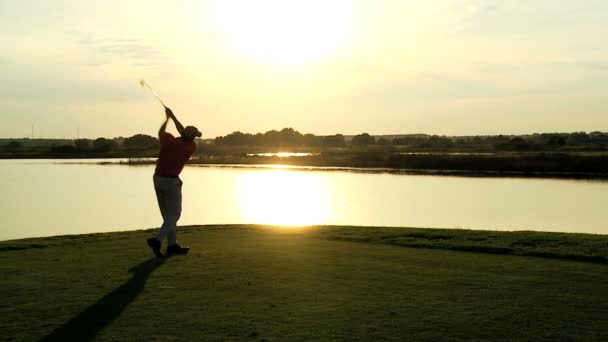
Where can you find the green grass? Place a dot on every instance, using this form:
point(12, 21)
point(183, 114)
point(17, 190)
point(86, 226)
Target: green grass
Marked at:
point(255, 283)
point(582, 247)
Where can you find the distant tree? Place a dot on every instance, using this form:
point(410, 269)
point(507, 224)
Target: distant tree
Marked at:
point(14, 145)
point(140, 142)
point(578, 138)
point(410, 140)
point(517, 140)
point(518, 143)
point(497, 139)
point(312, 140)
point(556, 140)
point(257, 139)
point(271, 138)
point(103, 145)
point(235, 139)
point(64, 149)
point(363, 140)
point(287, 137)
point(336, 140)
point(598, 138)
point(82, 144)
point(383, 142)
point(439, 141)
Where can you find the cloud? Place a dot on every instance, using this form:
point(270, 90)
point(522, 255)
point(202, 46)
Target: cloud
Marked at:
point(132, 50)
point(476, 8)
point(485, 81)
point(27, 83)
point(427, 87)
point(525, 17)
point(583, 70)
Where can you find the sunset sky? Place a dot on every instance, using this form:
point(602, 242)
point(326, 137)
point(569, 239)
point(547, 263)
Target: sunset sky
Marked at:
point(454, 67)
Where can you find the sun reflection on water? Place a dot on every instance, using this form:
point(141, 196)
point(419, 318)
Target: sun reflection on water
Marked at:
point(284, 197)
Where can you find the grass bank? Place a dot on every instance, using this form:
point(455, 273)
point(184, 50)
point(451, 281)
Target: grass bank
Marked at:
point(319, 283)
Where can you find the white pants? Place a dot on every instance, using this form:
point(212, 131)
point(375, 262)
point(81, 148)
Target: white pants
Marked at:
point(169, 196)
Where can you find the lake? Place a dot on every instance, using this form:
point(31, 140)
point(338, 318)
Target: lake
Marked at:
point(56, 197)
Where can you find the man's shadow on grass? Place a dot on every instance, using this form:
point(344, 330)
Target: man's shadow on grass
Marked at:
point(87, 324)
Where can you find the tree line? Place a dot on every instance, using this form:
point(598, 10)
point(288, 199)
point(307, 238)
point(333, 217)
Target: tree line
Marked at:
point(287, 137)
point(290, 138)
point(135, 142)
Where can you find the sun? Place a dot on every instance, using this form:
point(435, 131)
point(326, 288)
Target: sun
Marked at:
point(285, 31)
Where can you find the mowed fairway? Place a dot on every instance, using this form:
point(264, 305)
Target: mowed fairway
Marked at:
point(290, 284)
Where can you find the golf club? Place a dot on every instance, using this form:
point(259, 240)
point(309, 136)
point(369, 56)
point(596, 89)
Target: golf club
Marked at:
point(143, 83)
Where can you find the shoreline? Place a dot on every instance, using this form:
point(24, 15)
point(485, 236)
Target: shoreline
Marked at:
point(397, 171)
point(590, 176)
point(583, 247)
point(497, 165)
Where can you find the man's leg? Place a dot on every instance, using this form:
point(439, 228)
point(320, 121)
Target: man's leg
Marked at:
point(173, 215)
point(174, 210)
point(156, 243)
point(163, 200)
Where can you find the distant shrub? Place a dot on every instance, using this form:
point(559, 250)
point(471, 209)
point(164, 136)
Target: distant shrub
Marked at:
point(82, 144)
point(141, 142)
point(14, 145)
point(363, 140)
point(334, 141)
point(103, 145)
point(63, 149)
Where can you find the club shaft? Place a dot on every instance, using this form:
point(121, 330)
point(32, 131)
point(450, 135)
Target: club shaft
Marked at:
point(154, 93)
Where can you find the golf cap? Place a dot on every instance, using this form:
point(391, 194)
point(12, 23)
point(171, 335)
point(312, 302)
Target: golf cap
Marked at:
point(192, 132)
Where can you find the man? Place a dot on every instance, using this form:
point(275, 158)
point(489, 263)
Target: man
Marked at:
point(174, 153)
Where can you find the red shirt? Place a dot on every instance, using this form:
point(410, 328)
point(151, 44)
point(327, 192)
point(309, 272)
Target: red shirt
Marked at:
point(174, 153)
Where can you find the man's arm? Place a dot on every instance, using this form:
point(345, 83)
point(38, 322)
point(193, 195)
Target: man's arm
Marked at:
point(163, 127)
point(178, 125)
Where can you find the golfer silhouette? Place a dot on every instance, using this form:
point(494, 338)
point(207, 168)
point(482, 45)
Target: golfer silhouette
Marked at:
point(174, 153)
